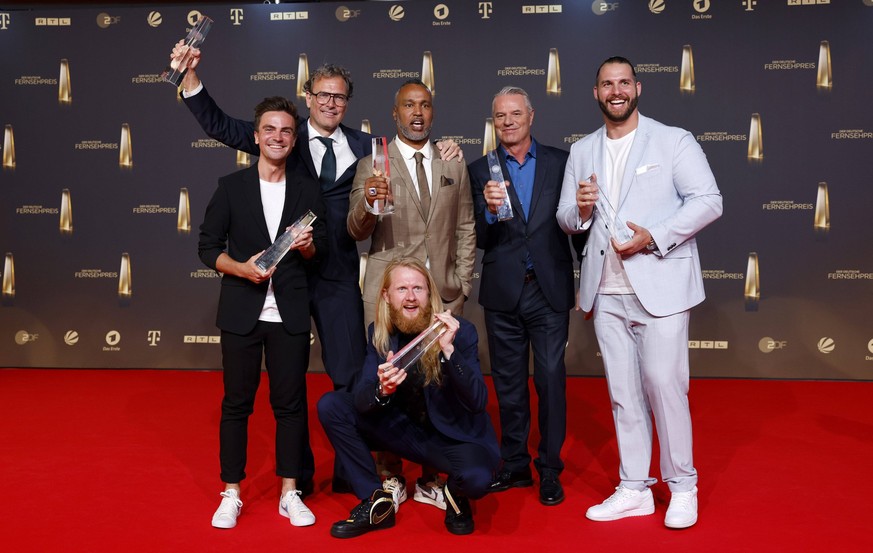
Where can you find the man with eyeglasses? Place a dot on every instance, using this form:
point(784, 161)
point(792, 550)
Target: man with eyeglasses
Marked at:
point(329, 150)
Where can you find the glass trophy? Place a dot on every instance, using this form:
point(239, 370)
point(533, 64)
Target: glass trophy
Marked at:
point(413, 351)
point(176, 70)
point(504, 212)
point(274, 254)
point(608, 216)
point(382, 166)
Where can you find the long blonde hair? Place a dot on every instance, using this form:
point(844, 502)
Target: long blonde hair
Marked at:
point(383, 327)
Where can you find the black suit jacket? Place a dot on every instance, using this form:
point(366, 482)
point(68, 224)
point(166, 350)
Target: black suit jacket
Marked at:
point(234, 223)
point(340, 260)
point(506, 244)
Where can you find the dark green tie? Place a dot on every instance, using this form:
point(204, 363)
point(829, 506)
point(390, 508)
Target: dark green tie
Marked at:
point(328, 163)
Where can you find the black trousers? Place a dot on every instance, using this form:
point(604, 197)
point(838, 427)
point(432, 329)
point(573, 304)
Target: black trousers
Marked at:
point(287, 358)
point(511, 336)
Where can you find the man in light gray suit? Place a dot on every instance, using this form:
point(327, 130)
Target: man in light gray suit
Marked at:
point(641, 275)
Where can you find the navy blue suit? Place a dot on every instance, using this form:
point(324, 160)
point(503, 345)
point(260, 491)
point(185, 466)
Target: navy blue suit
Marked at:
point(525, 309)
point(459, 441)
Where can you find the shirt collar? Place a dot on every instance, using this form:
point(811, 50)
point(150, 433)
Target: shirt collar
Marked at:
point(408, 151)
point(531, 152)
point(337, 135)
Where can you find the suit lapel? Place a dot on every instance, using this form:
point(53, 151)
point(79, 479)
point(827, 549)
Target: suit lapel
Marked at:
point(539, 178)
point(304, 152)
point(252, 193)
point(437, 172)
point(292, 198)
point(641, 141)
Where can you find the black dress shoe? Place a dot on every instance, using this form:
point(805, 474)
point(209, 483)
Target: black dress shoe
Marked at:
point(459, 514)
point(551, 491)
point(374, 513)
point(508, 479)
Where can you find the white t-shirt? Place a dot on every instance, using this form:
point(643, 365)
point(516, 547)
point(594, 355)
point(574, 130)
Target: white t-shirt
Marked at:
point(273, 202)
point(614, 280)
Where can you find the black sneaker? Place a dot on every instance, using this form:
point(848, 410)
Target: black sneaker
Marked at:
point(459, 513)
point(374, 513)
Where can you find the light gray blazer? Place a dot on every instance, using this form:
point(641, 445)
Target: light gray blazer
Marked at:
point(669, 189)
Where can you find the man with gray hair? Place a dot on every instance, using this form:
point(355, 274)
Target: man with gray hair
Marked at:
point(526, 291)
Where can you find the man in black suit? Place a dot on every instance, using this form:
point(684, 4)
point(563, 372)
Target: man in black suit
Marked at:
point(527, 293)
point(263, 314)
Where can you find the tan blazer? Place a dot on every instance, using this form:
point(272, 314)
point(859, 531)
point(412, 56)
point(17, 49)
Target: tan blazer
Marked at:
point(446, 238)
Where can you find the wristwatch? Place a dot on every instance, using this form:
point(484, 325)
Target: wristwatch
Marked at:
point(651, 246)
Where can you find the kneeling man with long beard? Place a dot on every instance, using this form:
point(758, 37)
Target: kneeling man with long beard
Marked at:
point(433, 413)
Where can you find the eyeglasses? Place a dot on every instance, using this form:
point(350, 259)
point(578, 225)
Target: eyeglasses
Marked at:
point(324, 97)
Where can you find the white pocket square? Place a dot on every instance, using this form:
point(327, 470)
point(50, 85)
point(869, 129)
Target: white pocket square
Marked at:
point(642, 169)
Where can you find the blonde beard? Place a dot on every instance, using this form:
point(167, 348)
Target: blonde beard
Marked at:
point(407, 326)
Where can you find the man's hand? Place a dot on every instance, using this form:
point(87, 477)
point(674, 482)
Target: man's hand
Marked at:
point(390, 376)
point(375, 188)
point(185, 57)
point(636, 244)
point(448, 337)
point(494, 195)
point(252, 272)
point(303, 243)
point(449, 149)
point(586, 196)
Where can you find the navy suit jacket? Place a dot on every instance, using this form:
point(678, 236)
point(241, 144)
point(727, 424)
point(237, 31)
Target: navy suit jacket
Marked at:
point(506, 244)
point(340, 261)
point(234, 223)
point(457, 406)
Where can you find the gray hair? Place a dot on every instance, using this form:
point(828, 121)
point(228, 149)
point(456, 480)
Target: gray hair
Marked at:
point(507, 90)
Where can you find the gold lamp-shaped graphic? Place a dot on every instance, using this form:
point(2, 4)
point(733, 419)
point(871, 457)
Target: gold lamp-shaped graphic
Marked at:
point(427, 76)
point(125, 148)
point(365, 126)
point(302, 74)
point(8, 278)
point(66, 220)
point(686, 72)
point(756, 139)
point(752, 292)
point(8, 148)
point(553, 76)
point(183, 221)
point(824, 79)
point(822, 222)
point(489, 141)
point(125, 289)
point(65, 89)
point(242, 159)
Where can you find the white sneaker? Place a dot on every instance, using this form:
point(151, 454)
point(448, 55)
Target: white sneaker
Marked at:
point(625, 502)
point(430, 493)
point(292, 507)
point(228, 511)
point(682, 511)
point(396, 486)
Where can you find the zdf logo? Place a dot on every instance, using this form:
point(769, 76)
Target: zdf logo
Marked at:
point(767, 344)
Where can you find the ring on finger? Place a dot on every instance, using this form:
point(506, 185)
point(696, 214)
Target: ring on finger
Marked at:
point(372, 191)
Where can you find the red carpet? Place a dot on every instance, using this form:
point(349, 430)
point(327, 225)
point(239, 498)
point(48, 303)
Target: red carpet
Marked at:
point(128, 461)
